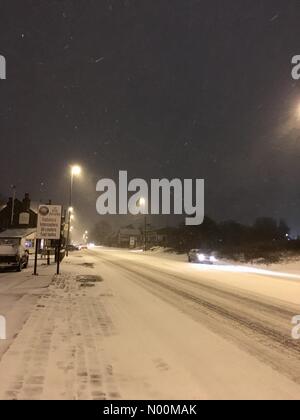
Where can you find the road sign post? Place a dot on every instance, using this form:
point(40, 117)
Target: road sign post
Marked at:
point(58, 257)
point(37, 244)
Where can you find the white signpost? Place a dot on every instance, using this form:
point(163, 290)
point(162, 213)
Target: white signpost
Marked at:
point(48, 228)
point(49, 222)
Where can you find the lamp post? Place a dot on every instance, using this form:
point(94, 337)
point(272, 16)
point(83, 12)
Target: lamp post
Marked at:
point(75, 172)
point(85, 236)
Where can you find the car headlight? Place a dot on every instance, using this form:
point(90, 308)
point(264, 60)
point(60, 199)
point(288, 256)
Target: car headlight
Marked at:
point(201, 257)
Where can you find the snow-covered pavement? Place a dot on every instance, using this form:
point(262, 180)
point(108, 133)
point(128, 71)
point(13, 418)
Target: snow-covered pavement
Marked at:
point(19, 293)
point(121, 325)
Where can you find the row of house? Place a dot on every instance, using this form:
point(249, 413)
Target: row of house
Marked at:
point(131, 237)
point(18, 219)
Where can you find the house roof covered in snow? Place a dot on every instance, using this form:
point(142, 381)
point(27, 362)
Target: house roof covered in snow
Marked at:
point(128, 231)
point(17, 233)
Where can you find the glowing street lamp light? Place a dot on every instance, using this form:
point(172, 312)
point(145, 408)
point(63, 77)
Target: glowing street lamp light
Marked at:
point(142, 202)
point(76, 170)
point(85, 236)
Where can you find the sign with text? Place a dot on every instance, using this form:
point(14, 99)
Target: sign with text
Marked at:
point(49, 222)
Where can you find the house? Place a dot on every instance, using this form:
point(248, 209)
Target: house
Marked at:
point(163, 236)
point(18, 214)
point(129, 237)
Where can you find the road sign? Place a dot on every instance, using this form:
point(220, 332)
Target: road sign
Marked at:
point(49, 222)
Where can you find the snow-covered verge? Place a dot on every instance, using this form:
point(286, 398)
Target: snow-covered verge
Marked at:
point(19, 293)
point(291, 266)
point(288, 265)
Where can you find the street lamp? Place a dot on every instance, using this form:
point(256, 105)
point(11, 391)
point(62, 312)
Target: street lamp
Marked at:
point(75, 171)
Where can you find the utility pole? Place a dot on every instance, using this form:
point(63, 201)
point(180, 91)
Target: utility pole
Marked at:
point(14, 188)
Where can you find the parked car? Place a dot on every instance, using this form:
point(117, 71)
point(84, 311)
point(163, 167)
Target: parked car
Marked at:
point(72, 248)
point(13, 256)
point(200, 256)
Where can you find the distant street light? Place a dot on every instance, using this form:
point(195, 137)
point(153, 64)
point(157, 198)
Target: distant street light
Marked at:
point(85, 236)
point(75, 172)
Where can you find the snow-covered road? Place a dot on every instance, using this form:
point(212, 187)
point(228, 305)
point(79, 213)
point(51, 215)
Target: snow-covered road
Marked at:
point(153, 328)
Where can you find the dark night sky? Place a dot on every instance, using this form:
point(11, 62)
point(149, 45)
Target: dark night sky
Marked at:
point(162, 88)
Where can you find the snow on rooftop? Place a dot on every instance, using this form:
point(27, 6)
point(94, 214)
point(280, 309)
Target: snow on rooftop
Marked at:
point(17, 233)
point(128, 231)
point(34, 206)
